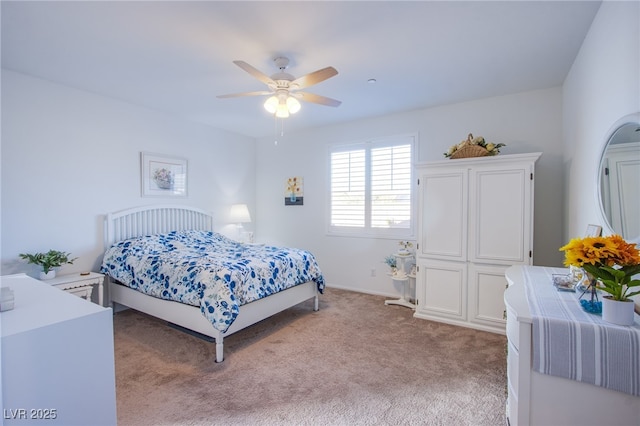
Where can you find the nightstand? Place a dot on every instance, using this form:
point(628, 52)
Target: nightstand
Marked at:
point(78, 284)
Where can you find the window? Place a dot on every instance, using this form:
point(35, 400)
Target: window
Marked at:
point(372, 188)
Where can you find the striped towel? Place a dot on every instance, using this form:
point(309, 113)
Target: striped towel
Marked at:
point(571, 343)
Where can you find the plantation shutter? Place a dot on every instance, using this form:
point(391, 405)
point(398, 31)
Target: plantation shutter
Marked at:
point(371, 189)
point(391, 187)
point(348, 188)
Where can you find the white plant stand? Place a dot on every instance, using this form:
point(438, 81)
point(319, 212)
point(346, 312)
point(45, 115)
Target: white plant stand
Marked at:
point(401, 276)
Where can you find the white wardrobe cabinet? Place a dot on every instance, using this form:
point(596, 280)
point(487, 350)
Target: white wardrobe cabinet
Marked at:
point(441, 290)
point(475, 219)
point(620, 187)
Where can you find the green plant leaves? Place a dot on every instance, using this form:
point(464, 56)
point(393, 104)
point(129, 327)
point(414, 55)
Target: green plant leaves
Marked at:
point(49, 260)
point(615, 281)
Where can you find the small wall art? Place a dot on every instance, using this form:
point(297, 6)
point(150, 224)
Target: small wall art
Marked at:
point(294, 191)
point(163, 176)
point(593, 231)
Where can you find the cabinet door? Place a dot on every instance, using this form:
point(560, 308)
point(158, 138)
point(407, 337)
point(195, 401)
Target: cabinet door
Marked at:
point(500, 214)
point(441, 289)
point(442, 225)
point(486, 295)
point(622, 187)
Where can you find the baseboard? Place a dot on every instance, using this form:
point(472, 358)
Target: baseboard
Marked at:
point(359, 290)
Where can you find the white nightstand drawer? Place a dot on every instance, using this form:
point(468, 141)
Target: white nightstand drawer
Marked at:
point(80, 284)
point(84, 292)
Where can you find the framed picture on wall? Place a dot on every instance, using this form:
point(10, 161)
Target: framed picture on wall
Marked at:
point(593, 231)
point(294, 191)
point(163, 176)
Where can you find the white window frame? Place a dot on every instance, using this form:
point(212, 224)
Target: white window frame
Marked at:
point(367, 231)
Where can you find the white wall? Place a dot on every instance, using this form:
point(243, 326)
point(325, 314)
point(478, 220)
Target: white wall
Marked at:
point(526, 122)
point(602, 87)
point(69, 157)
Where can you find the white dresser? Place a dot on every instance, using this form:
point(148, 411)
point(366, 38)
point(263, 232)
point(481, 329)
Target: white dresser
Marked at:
point(57, 358)
point(475, 219)
point(542, 399)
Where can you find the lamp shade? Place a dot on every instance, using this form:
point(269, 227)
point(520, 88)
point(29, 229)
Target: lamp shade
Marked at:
point(240, 213)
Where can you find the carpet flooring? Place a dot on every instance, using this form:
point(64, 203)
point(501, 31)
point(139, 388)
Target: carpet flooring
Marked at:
point(353, 362)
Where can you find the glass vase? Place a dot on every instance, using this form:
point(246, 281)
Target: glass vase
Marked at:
point(589, 296)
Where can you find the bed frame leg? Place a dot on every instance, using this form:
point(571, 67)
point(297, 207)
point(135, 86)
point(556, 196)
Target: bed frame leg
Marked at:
point(315, 303)
point(219, 350)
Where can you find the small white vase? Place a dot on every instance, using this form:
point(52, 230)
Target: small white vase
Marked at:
point(48, 275)
point(617, 312)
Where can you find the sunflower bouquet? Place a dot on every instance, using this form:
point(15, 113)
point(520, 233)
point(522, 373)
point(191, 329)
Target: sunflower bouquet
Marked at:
point(611, 260)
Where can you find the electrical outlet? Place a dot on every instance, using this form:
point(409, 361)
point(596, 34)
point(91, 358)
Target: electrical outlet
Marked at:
point(373, 272)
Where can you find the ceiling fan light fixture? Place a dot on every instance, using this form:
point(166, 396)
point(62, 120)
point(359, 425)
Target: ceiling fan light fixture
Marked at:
point(271, 104)
point(293, 105)
point(282, 105)
point(282, 111)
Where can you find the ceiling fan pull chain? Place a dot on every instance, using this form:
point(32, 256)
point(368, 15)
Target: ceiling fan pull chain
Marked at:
point(275, 118)
point(275, 130)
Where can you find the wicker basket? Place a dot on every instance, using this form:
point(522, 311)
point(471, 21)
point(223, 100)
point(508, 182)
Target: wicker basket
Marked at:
point(469, 151)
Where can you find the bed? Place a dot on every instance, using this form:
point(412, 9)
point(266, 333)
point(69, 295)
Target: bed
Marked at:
point(207, 283)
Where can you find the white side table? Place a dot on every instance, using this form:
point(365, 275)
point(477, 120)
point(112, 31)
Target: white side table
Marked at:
point(401, 275)
point(79, 284)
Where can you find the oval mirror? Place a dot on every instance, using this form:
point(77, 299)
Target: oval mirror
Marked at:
point(620, 179)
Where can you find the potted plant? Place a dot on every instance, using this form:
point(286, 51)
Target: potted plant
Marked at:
point(612, 262)
point(48, 261)
point(391, 262)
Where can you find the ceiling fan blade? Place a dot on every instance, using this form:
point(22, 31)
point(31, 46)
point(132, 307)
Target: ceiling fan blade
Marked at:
point(317, 99)
point(236, 95)
point(255, 72)
point(313, 78)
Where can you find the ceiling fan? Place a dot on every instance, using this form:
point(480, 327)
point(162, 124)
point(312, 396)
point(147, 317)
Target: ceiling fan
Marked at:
point(284, 88)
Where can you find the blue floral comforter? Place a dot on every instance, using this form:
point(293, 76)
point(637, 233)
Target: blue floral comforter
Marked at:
point(209, 270)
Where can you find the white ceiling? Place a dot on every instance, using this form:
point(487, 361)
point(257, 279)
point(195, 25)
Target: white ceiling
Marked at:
point(177, 56)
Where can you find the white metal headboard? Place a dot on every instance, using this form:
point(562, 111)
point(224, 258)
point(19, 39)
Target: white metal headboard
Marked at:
point(148, 220)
